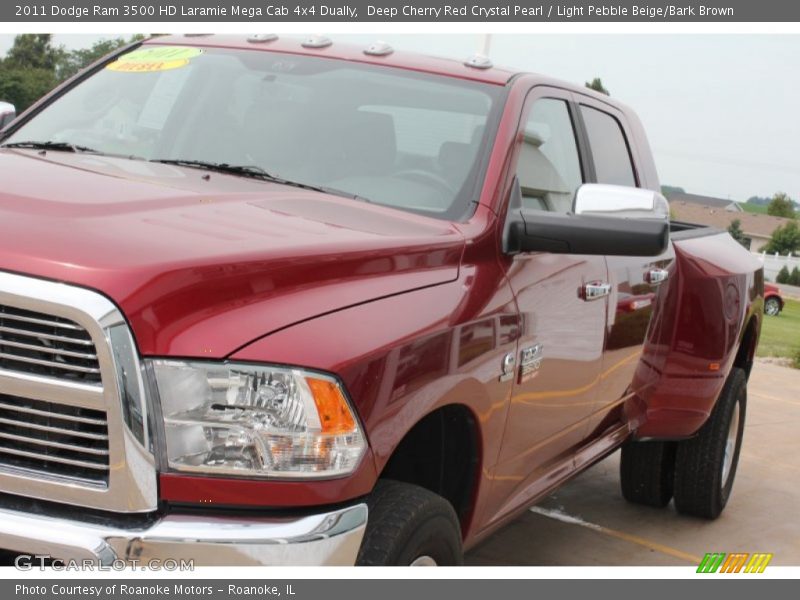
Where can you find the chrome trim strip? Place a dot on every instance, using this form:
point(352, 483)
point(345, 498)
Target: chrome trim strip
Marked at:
point(49, 389)
point(50, 444)
point(132, 481)
point(331, 538)
point(58, 459)
point(43, 413)
point(47, 363)
point(35, 321)
point(51, 429)
point(46, 336)
point(45, 349)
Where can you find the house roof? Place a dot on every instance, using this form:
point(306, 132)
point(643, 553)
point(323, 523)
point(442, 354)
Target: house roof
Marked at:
point(698, 199)
point(752, 224)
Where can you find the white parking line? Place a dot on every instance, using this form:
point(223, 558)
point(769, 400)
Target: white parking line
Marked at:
point(620, 535)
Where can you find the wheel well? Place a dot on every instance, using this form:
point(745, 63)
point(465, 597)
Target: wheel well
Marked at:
point(747, 348)
point(440, 454)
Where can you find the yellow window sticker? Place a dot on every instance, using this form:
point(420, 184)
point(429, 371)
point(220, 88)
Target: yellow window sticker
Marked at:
point(159, 58)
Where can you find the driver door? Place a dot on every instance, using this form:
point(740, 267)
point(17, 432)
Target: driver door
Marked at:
point(561, 347)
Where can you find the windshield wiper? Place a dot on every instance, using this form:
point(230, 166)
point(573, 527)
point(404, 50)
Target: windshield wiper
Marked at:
point(52, 146)
point(255, 172)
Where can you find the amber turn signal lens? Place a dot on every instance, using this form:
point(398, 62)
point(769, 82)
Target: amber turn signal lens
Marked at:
point(334, 414)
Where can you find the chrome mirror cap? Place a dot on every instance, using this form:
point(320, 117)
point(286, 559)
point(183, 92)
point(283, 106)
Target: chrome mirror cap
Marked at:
point(620, 201)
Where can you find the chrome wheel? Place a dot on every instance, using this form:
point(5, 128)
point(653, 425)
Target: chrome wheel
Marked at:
point(772, 307)
point(730, 445)
point(424, 561)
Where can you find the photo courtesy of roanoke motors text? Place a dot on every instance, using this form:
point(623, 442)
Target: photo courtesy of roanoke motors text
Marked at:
point(509, 290)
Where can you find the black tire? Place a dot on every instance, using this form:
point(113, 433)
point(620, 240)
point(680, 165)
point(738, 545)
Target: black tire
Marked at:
point(772, 306)
point(700, 488)
point(647, 472)
point(407, 522)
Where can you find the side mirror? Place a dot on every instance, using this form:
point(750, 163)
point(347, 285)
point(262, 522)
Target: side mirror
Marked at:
point(606, 220)
point(620, 201)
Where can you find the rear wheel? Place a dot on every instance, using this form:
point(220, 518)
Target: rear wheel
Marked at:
point(772, 306)
point(705, 466)
point(409, 525)
point(647, 472)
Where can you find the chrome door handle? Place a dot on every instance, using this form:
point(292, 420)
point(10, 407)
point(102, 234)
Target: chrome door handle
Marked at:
point(594, 290)
point(656, 276)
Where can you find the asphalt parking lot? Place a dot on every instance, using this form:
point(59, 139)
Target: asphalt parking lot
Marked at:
point(587, 522)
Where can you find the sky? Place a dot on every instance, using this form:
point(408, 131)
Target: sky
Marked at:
point(720, 110)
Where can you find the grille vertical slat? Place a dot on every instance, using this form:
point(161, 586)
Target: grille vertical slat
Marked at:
point(41, 344)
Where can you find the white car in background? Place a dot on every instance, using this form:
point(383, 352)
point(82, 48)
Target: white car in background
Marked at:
point(7, 114)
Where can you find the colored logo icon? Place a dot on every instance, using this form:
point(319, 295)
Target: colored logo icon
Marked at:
point(736, 562)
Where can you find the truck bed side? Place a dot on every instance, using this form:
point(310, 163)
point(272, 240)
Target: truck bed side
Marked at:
point(689, 349)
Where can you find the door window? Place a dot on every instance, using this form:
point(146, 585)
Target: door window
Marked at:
point(549, 167)
point(612, 159)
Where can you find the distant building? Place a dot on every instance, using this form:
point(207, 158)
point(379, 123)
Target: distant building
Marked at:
point(757, 227)
point(710, 201)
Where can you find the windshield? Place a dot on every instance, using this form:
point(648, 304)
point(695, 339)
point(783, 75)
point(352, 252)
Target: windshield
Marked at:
point(388, 136)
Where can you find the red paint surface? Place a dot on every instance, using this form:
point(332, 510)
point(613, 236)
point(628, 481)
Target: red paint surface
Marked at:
point(412, 313)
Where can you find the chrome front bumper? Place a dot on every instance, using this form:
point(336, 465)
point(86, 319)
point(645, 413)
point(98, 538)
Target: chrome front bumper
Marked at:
point(331, 538)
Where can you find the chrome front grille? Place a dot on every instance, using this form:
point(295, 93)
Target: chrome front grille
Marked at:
point(74, 421)
point(41, 344)
point(54, 440)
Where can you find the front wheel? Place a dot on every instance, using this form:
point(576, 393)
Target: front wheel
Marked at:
point(705, 466)
point(409, 526)
point(772, 306)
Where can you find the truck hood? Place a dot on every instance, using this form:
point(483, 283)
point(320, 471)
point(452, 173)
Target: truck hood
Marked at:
point(202, 264)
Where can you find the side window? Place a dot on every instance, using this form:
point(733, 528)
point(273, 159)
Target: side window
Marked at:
point(612, 158)
point(549, 167)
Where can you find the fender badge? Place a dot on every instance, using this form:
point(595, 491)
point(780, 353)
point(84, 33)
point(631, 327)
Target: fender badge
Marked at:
point(530, 361)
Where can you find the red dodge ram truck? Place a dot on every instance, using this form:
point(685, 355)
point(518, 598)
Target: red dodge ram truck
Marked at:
point(275, 301)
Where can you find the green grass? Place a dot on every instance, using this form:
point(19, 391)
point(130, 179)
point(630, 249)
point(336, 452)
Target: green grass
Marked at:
point(759, 209)
point(780, 336)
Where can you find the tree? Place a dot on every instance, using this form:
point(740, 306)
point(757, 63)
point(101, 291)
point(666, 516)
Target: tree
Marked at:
point(75, 61)
point(784, 239)
point(670, 190)
point(783, 275)
point(597, 85)
point(33, 66)
point(33, 51)
point(735, 229)
point(781, 206)
point(794, 278)
point(23, 87)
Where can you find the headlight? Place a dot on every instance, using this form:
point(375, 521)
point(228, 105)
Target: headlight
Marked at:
point(256, 421)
